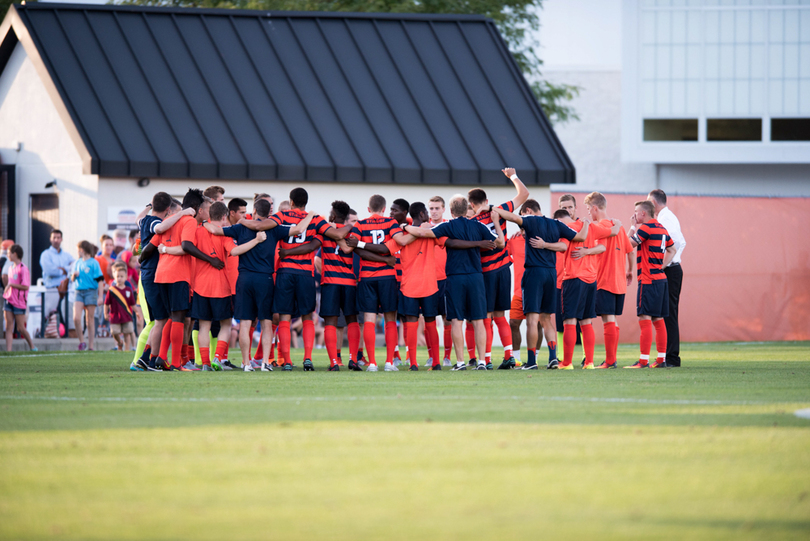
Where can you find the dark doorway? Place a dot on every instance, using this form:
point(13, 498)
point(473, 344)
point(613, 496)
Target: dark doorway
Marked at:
point(8, 200)
point(44, 219)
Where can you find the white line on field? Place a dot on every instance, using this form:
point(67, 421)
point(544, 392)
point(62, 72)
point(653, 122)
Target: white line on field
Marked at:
point(42, 355)
point(804, 414)
point(299, 399)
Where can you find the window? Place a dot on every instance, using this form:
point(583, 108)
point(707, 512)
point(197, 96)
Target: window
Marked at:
point(734, 129)
point(790, 129)
point(659, 129)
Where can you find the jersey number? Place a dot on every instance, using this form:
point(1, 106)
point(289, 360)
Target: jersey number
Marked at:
point(491, 227)
point(377, 236)
point(299, 239)
point(663, 243)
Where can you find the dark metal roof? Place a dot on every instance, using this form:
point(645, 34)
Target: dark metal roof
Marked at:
point(238, 94)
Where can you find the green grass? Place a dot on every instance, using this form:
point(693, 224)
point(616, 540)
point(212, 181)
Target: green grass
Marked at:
point(713, 450)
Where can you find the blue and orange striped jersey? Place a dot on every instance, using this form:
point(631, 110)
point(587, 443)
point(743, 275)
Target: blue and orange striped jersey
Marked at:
point(376, 230)
point(653, 241)
point(338, 266)
point(301, 264)
point(492, 260)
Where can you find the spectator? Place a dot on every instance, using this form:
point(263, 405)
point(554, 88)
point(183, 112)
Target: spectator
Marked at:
point(89, 289)
point(106, 258)
point(120, 242)
point(119, 309)
point(55, 262)
point(16, 297)
point(5, 262)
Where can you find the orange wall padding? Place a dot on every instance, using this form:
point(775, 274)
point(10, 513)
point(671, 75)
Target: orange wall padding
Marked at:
point(746, 267)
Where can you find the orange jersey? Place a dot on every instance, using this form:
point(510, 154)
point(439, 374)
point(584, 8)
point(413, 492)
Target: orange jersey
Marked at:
point(338, 267)
point(517, 250)
point(610, 273)
point(376, 230)
point(176, 268)
point(232, 264)
point(441, 258)
point(208, 281)
point(653, 241)
point(301, 264)
point(418, 267)
point(584, 268)
point(497, 258)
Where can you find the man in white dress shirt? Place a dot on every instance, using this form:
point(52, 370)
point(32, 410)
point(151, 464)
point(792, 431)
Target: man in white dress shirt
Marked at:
point(674, 273)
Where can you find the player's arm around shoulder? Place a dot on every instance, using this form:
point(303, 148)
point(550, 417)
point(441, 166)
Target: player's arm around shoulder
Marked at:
point(260, 237)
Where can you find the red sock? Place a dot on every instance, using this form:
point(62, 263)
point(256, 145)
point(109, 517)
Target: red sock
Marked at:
point(610, 342)
point(222, 350)
point(490, 334)
point(616, 343)
point(588, 342)
point(184, 352)
point(260, 349)
point(309, 338)
point(660, 336)
point(330, 341)
point(177, 343)
point(469, 334)
point(354, 339)
point(432, 339)
point(369, 338)
point(391, 339)
point(448, 341)
point(272, 342)
point(645, 342)
point(204, 354)
point(411, 335)
point(284, 341)
point(165, 341)
point(569, 341)
point(505, 333)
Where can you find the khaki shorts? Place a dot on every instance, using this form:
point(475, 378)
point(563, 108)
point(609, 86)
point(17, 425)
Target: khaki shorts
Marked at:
point(118, 328)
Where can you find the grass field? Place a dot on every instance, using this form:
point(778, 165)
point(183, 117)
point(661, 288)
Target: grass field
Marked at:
point(713, 450)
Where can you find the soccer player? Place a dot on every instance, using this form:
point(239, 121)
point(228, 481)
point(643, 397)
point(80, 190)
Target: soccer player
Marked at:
point(655, 251)
point(215, 193)
point(164, 214)
point(495, 264)
point(466, 296)
point(436, 211)
point(613, 275)
point(254, 288)
point(542, 239)
point(568, 203)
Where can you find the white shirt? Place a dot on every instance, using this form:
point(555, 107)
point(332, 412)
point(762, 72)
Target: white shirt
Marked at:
point(673, 227)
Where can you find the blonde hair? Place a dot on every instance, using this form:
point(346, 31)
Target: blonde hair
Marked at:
point(596, 199)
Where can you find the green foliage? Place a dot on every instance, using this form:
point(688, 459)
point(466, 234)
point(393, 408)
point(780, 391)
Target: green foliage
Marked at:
point(516, 20)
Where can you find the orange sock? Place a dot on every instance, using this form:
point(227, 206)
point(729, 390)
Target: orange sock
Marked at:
point(448, 341)
point(432, 339)
point(660, 337)
point(569, 341)
point(353, 330)
point(206, 359)
point(616, 343)
point(369, 338)
point(330, 341)
point(645, 342)
point(177, 343)
point(309, 338)
point(490, 334)
point(272, 342)
point(259, 355)
point(411, 334)
point(284, 341)
point(505, 334)
point(391, 339)
point(222, 350)
point(610, 342)
point(588, 342)
point(469, 335)
point(165, 341)
point(184, 353)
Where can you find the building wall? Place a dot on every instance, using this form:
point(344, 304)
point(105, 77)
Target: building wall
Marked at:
point(28, 116)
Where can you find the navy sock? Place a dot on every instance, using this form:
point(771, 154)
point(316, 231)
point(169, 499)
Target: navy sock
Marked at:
point(532, 356)
point(552, 351)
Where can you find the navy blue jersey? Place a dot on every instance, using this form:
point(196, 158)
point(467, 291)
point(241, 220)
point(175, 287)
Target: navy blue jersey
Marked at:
point(463, 261)
point(147, 226)
point(260, 258)
point(550, 231)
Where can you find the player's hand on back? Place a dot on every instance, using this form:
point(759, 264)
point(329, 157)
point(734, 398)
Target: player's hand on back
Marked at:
point(487, 244)
point(351, 242)
point(390, 260)
point(189, 212)
point(579, 253)
point(616, 221)
point(537, 242)
point(217, 263)
point(261, 236)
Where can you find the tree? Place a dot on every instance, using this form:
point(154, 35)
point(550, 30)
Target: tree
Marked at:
point(517, 20)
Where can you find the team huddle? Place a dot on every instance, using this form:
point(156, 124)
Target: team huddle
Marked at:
point(206, 265)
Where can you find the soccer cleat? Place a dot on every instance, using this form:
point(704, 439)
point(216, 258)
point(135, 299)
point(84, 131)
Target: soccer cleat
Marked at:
point(216, 364)
point(134, 366)
point(267, 367)
point(529, 366)
point(353, 367)
point(173, 368)
point(563, 366)
point(140, 363)
point(471, 364)
point(191, 367)
point(372, 368)
point(489, 366)
point(361, 360)
point(659, 364)
point(255, 364)
point(447, 362)
point(308, 366)
point(582, 364)
point(397, 361)
point(115, 348)
point(553, 364)
point(606, 366)
point(287, 367)
point(334, 368)
point(637, 365)
point(339, 361)
point(389, 367)
point(436, 367)
point(505, 365)
point(274, 364)
point(459, 367)
point(429, 362)
point(207, 368)
point(414, 368)
point(228, 365)
point(248, 367)
point(481, 366)
point(588, 366)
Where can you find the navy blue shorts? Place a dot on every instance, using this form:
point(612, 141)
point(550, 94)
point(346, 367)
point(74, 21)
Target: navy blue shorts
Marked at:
point(154, 299)
point(498, 284)
point(336, 298)
point(539, 290)
point(211, 309)
point(378, 296)
point(578, 299)
point(653, 299)
point(426, 306)
point(442, 291)
point(254, 296)
point(465, 297)
point(609, 304)
point(295, 294)
point(176, 296)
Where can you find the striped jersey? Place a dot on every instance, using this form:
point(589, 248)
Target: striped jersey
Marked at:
point(338, 266)
point(653, 241)
point(497, 258)
point(376, 230)
point(301, 264)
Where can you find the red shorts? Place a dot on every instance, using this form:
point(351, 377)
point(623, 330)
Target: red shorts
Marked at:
point(516, 310)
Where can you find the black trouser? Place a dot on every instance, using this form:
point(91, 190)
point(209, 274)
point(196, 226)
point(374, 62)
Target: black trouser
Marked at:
point(674, 279)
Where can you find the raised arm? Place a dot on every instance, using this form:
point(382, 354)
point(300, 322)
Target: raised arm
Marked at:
point(522, 191)
point(167, 224)
point(246, 247)
point(509, 216)
point(146, 210)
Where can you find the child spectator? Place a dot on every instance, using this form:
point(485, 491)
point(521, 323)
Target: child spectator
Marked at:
point(119, 309)
point(16, 297)
point(89, 288)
